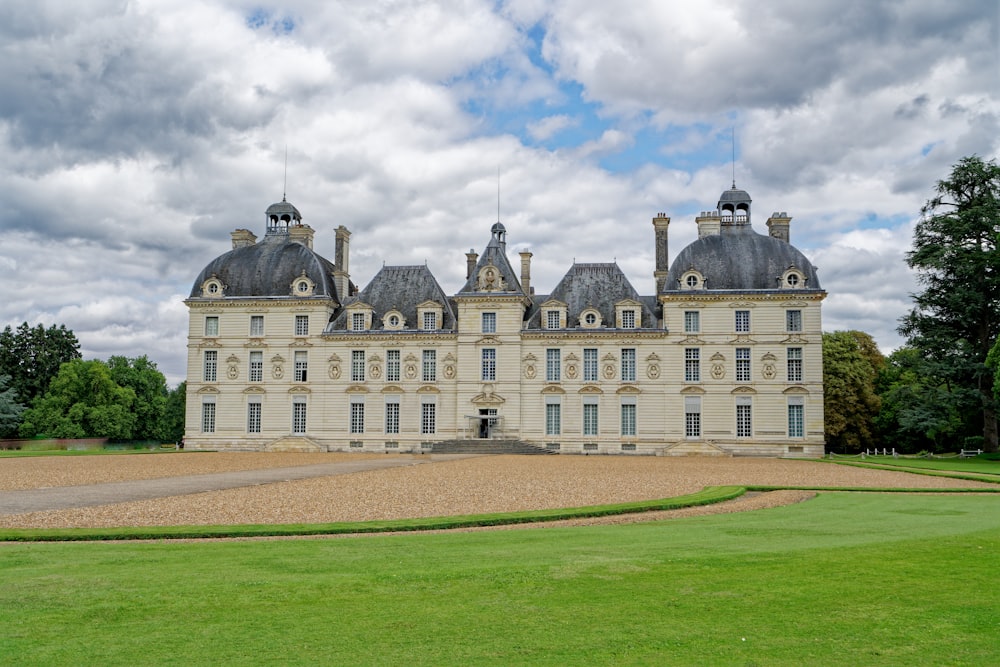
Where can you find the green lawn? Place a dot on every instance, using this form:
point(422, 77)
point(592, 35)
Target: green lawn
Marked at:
point(982, 466)
point(844, 579)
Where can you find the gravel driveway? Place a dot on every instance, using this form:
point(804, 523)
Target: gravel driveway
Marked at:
point(436, 488)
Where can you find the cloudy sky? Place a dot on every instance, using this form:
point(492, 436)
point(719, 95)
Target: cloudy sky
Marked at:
point(135, 135)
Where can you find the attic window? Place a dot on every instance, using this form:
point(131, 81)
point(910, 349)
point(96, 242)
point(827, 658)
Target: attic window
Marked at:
point(591, 319)
point(212, 287)
point(793, 278)
point(692, 280)
point(393, 320)
point(302, 287)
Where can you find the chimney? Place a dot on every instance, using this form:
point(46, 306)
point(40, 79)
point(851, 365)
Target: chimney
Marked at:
point(300, 233)
point(709, 224)
point(661, 227)
point(341, 262)
point(526, 272)
point(778, 226)
point(471, 259)
point(243, 238)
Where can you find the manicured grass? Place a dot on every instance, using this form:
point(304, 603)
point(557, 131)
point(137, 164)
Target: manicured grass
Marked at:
point(844, 579)
point(982, 466)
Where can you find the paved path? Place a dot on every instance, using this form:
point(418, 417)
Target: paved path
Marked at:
point(65, 497)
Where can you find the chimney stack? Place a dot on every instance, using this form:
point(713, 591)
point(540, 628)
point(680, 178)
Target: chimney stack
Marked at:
point(471, 259)
point(243, 238)
point(300, 233)
point(778, 226)
point(341, 263)
point(661, 226)
point(526, 272)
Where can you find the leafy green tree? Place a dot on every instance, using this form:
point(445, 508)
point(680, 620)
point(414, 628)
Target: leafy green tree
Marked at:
point(956, 317)
point(176, 405)
point(150, 387)
point(31, 356)
point(10, 409)
point(851, 365)
point(83, 401)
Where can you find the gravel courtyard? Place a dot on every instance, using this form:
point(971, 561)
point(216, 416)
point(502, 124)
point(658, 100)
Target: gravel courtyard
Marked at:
point(430, 486)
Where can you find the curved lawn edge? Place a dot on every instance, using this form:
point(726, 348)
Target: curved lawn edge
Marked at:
point(707, 496)
point(967, 476)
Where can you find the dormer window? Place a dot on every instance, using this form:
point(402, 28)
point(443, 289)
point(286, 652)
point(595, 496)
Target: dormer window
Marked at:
point(628, 319)
point(552, 319)
point(357, 321)
point(359, 316)
point(430, 315)
point(393, 320)
point(430, 321)
point(590, 319)
point(793, 279)
point(212, 288)
point(692, 280)
point(627, 314)
point(303, 286)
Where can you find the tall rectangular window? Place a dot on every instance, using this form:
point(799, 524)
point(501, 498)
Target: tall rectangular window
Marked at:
point(552, 365)
point(743, 364)
point(744, 418)
point(357, 365)
point(256, 325)
point(692, 321)
point(590, 418)
point(211, 325)
point(552, 319)
point(253, 417)
point(489, 322)
point(208, 417)
point(590, 364)
point(795, 364)
point(692, 364)
point(301, 325)
point(430, 365)
point(628, 319)
point(428, 418)
point(299, 418)
point(793, 321)
point(796, 420)
point(357, 321)
point(553, 419)
point(301, 365)
point(392, 365)
point(489, 364)
point(392, 418)
point(628, 418)
point(211, 365)
point(628, 364)
point(742, 321)
point(256, 366)
point(430, 321)
point(357, 417)
point(692, 416)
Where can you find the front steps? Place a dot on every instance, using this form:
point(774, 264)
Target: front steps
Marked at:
point(699, 448)
point(487, 447)
point(293, 443)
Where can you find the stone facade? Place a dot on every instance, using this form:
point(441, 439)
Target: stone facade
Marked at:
point(725, 359)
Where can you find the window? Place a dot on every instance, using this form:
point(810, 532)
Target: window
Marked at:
point(430, 321)
point(357, 417)
point(392, 417)
point(744, 418)
point(628, 319)
point(357, 321)
point(489, 364)
point(253, 417)
point(357, 365)
point(590, 418)
point(796, 420)
point(692, 416)
point(430, 365)
point(628, 418)
point(628, 364)
point(692, 281)
point(211, 365)
point(211, 325)
point(792, 280)
point(793, 321)
point(489, 322)
point(795, 364)
point(590, 319)
point(299, 417)
point(256, 325)
point(301, 365)
point(553, 419)
point(301, 325)
point(590, 364)
point(743, 364)
point(552, 319)
point(742, 321)
point(428, 418)
point(552, 365)
point(208, 417)
point(392, 365)
point(256, 366)
point(692, 364)
point(692, 321)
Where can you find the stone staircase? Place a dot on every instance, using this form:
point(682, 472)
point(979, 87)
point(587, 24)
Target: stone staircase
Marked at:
point(487, 447)
point(699, 448)
point(294, 443)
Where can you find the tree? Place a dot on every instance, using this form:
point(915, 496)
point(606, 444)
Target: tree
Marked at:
point(10, 409)
point(31, 356)
point(956, 318)
point(176, 406)
point(150, 387)
point(851, 365)
point(82, 401)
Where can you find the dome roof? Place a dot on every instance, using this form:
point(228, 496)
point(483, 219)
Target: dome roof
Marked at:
point(740, 259)
point(268, 269)
point(734, 196)
point(283, 208)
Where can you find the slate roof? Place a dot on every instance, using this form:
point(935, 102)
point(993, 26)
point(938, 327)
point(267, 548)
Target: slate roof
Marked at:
point(496, 254)
point(401, 288)
point(267, 269)
point(599, 286)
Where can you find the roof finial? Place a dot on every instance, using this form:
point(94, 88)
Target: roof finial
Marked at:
point(498, 193)
point(284, 185)
point(734, 157)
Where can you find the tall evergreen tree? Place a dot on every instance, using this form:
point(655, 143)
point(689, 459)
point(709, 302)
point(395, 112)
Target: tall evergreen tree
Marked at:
point(10, 409)
point(956, 317)
point(31, 356)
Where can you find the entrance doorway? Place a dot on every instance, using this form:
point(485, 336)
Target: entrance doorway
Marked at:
point(487, 420)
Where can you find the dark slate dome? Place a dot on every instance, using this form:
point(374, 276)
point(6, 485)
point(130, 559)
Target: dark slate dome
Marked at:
point(268, 268)
point(740, 259)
